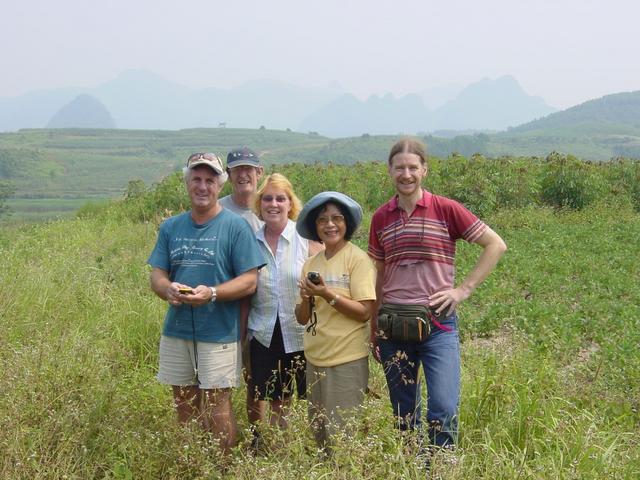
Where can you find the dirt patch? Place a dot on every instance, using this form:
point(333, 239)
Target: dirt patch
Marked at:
point(504, 341)
point(582, 358)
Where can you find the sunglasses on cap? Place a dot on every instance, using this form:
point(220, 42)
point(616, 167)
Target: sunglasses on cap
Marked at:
point(212, 157)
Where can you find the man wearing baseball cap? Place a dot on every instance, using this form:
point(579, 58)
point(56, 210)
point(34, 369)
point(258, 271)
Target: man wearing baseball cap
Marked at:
point(244, 169)
point(204, 261)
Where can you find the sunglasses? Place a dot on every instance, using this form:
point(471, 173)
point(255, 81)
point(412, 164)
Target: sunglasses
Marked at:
point(271, 198)
point(212, 157)
point(335, 219)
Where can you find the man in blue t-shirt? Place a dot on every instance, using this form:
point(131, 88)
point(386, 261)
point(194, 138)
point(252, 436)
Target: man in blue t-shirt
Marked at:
point(203, 263)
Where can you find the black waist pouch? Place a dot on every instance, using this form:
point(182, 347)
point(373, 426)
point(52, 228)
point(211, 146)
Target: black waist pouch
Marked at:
point(403, 323)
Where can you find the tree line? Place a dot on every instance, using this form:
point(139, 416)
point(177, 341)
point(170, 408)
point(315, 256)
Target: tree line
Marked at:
point(483, 184)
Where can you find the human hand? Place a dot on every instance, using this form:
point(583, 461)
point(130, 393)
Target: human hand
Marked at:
point(305, 295)
point(173, 295)
point(200, 296)
point(448, 300)
point(375, 348)
point(315, 288)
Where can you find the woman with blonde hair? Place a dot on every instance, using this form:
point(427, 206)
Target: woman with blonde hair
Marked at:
point(275, 337)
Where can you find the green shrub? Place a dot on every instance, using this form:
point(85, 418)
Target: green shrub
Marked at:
point(624, 177)
point(483, 185)
point(467, 181)
point(142, 204)
point(516, 181)
point(569, 183)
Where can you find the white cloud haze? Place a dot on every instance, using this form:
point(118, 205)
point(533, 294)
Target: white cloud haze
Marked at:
point(566, 51)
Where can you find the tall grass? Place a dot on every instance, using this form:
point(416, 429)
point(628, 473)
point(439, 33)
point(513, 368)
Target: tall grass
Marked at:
point(551, 368)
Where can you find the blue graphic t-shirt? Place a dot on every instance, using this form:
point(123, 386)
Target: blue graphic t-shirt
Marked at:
point(207, 254)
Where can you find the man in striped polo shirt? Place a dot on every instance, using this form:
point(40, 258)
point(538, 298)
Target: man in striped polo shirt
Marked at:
point(412, 241)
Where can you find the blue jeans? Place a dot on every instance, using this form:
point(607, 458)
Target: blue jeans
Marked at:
point(440, 359)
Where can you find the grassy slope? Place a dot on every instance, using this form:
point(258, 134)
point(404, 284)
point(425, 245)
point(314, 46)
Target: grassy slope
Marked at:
point(551, 369)
point(54, 169)
point(616, 109)
point(90, 164)
point(43, 209)
point(590, 142)
point(100, 163)
point(596, 130)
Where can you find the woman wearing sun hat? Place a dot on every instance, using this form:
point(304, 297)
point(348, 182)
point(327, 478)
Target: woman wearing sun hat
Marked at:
point(335, 305)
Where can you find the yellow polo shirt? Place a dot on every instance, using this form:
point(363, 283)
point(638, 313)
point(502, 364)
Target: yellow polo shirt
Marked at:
point(350, 273)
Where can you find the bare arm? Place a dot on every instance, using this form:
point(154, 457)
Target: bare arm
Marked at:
point(245, 303)
point(241, 286)
point(379, 264)
point(302, 311)
point(164, 287)
point(493, 247)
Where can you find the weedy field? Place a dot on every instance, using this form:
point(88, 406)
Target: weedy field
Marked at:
point(551, 357)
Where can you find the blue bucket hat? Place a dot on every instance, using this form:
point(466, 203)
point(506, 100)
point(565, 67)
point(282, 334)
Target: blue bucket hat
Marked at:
point(352, 207)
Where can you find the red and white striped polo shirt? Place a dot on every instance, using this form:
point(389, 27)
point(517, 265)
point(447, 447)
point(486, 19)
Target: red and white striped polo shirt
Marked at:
point(419, 250)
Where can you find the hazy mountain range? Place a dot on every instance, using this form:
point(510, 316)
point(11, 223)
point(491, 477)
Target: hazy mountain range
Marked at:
point(484, 105)
point(141, 100)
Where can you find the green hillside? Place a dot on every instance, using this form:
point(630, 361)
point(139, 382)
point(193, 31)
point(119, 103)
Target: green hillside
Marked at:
point(71, 163)
point(599, 129)
point(56, 170)
point(620, 110)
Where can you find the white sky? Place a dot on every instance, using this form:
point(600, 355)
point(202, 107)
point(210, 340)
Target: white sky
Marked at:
point(566, 51)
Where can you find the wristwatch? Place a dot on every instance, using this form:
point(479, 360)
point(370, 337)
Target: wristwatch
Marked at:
point(214, 294)
point(333, 301)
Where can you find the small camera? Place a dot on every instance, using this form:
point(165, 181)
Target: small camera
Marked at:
point(314, 277)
